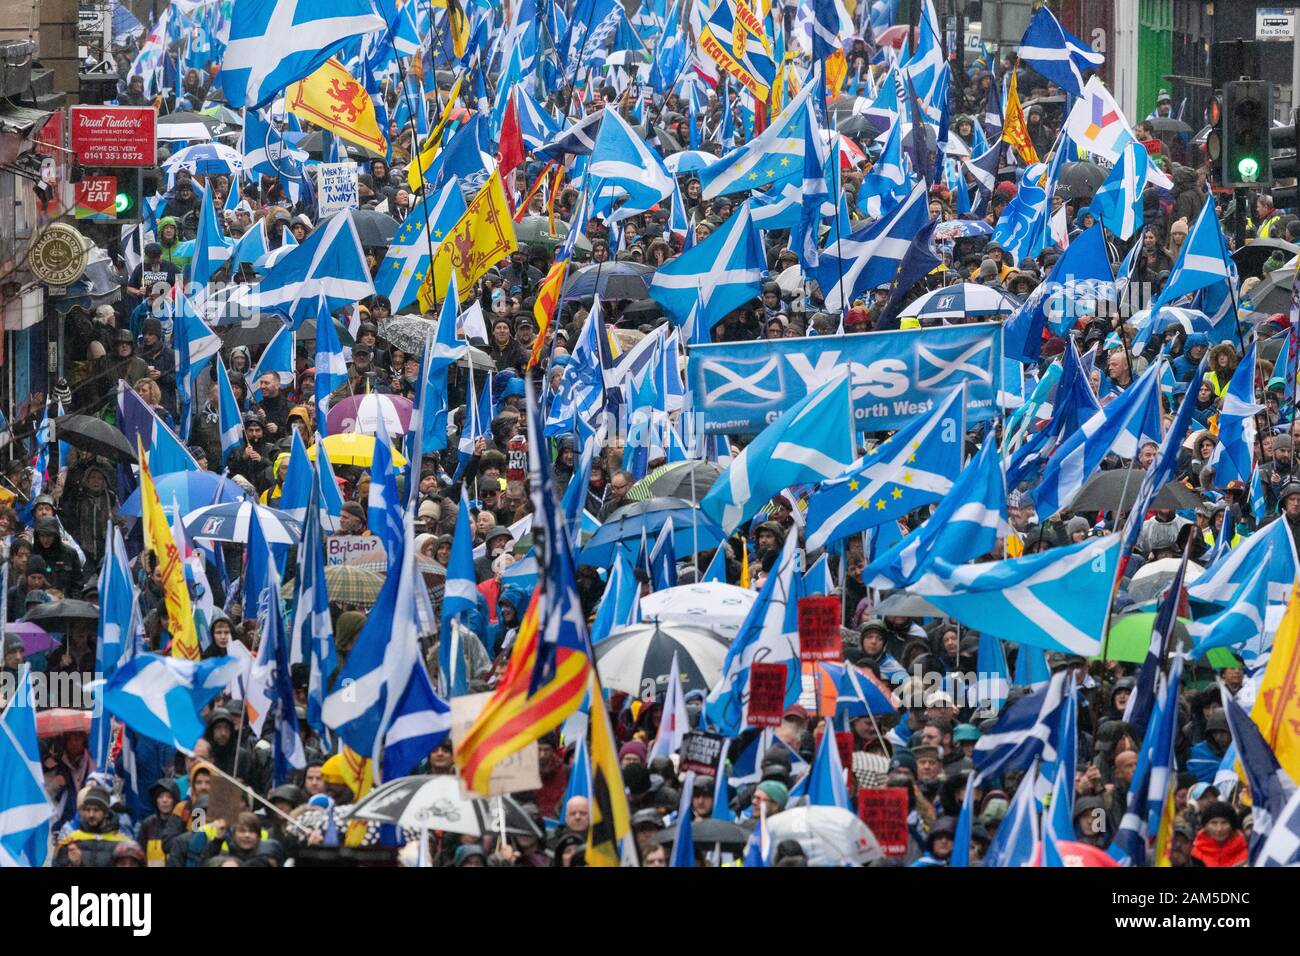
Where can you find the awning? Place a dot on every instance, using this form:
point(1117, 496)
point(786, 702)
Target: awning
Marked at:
point(17, 123)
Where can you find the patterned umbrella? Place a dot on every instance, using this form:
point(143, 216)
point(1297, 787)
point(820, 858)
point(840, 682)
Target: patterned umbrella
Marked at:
point(190, 490)
point(638, 659)
point(205, 159)
point(709, 604)
point(965, 300)
point(674, 480)
point(361, 413)
point(425, 802)
point(348, 584)
point(229, 522)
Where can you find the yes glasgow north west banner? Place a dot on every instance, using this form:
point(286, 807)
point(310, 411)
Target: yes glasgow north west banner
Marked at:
point(739, 388)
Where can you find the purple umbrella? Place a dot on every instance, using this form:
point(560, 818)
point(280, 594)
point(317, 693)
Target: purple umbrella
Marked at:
point(360, 413)
point(35, 638)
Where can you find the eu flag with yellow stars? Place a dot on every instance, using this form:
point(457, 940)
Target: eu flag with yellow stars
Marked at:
point(407, 262)
point(913, 467)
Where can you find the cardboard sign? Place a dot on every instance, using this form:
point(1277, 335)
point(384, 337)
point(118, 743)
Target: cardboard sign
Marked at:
point(700, 752)
point(884, 810)
point(115, 135)
point(819, 629)
point(97, 197)
point(766, 694)
point(354, 549)
point(336, 188)
point(513, 774)
point(226, 801)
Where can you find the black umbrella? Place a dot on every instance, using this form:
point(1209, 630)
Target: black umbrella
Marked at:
point(315, 143)
point(1169, 124)
point(56, 615)
point(373, 228)
point(185, 116)
point(262, 331)
point(646, 310)
point(709, 833)
point(610, 280)
point(1251, 257)
point(1272, 295)
point(1116, 489)
point(1082, 179)
point(94, 435)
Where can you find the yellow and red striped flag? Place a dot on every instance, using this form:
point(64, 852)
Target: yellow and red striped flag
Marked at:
point(158, 538)
point(548, 300)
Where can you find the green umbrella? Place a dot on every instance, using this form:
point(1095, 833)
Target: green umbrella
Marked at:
point(536, 231)
point(1130, 636)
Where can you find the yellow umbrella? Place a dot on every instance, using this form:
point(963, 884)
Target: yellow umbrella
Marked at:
point(353, 448)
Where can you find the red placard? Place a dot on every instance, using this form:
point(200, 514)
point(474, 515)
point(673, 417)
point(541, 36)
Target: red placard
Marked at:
point(700, 752)
point(844, 741)
point(819, 629)
point(884, 810)
point(115, 135)
point(766, 694)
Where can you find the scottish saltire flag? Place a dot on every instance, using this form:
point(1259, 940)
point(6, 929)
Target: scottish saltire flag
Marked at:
point(1027, 730)
point(619, 604)
point(299, 480)
point(772, 158)
point(671, 54)
point(276, 42)
point(331, 369)
point(578, 139)
point(683, 854)
point(266, 153)
point(582, 397)
point(1018, 835)
point(818, 580)
point(1282, 847)
point(663, 559)
point(407, 262)
point(914, 466)
point(1114, 428)
point(230, 420)
point(477, 425)
point(536, 125)
point(1243, 617)
point(440, 354)
point(331, 498)
point(137, 421)
point(410, 96)
point(251, 246)
point(819, 169)
point(1203, 260)
point(1141, 702)
point(854, 265)
point(1153, 779)
point(1233, 456)
point(384, 506)
point(1081, 273)
point(826, 786)
point(211, 247)
point(966, 524)
point(1058, 817)
point(721, 273)
point(1270, 787)
point(984, 169)
point(1031, 667)
point(161, 697)
point(717, 569)
point(459, 597)
point(889, 181)
point(621, 162)
point(312, 633)
point(1056, 53)
point(859, 693)
point(926, 67)
point(469, 156)
point(193, 345)
point(1271, 547)
point(118, 617)
point(1118, 203)
point(330, 263)
point(1022, 228)
point(674, 723)
point(1057, 600)
point(991, 665)
point(812, 441)
point(769, 634)
point(277, 359)
point(25, 808)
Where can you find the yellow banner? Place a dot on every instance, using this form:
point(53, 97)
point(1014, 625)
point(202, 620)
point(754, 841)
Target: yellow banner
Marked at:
point(1014, 130)
point(331, 98)
point(433, 142)
point(710, 45)
point(1277, 703)
point(158, 539)
point(483, 237)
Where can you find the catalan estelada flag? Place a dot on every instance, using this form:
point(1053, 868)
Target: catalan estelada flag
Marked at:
point(335, 100)
point(548, 298)
point(609, 835)
point(1014, 130)
point(483, 237)
point(159, 539)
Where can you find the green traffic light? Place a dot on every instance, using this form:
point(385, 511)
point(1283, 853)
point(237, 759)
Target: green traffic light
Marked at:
point(122, 202)
point(1248, 169)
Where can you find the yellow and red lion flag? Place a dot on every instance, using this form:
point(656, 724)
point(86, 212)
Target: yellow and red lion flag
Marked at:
point(1277, 702)
point(333, 99)
point(159, 539)
point(480, 239)
point(1014, 130)
point(512, 718)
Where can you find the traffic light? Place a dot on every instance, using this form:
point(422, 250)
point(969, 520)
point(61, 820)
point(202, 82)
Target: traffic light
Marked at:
point(1283, 140)
point(127, 201)
point(1247, 119)
point(1214, 138)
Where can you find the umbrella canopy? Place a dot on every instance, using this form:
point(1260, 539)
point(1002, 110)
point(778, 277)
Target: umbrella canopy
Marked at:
point(643, 310)
point(314, 143)
point(57, 615)
point(610, 280)
point(1273, 294)
point(1169, 124)
point(190, 490)
point(638, 659)
point(829, 836)
point(353, 448)
point(62, 720)
point(1251, 257)
point(186, 118)
point(689, 161)
point(1116, 489)
point(718, 607)
point(1189, 320)
point(1129, 638)
point(425, 802)
point(409, 333)
point(1152, 578)
point(229, 521)
point(250, 334)
point(709, 832)
point(625, 525)
point(902, 604)
point(1077, 855)
point(94, 435)
point(206, 159)
point(347, 584)
point(690, 480)
point(963, 300)
point(373, 228)
point(1082, 179)
point(35, 638)
point(536, 230)
point(361, 413)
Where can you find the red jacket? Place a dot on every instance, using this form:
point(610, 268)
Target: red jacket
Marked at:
point(1213, 853)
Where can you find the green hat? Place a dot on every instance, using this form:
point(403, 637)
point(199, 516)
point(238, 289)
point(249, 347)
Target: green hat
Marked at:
point(778, 793)
point(964, 732)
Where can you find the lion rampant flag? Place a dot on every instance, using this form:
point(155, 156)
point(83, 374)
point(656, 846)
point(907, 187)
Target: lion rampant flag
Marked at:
point(1014, 130)
point(483, 237)
point(333, 99)
point(159, 539)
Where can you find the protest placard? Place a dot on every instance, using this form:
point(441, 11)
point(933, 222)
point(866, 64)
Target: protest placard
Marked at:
point(336, 185)
point(354, 549)
point(766, 694)
point(819, 629)
point(700, 752)
point(884, 810)
point(516, 772)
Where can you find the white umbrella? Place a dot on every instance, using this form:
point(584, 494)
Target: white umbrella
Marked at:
point(960, 301)
point(830, 836)
point(206, 158)
point(711, 604)
point(229, 522)
point(638, 659)
point(434, 802)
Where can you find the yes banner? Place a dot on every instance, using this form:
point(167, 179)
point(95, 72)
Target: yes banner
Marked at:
point(739, 388)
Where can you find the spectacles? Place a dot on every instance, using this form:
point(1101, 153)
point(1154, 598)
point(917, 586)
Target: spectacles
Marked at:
point(619, 487)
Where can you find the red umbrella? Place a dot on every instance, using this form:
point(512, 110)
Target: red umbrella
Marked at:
point(1076, 855)
point(894, 37)
point(62, 720)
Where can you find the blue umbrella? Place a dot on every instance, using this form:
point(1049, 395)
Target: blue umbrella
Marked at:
point(190, 490)
point(230, 522)
point(206, 158)
point(610, 280)
point(689, 161)
point(623, 529)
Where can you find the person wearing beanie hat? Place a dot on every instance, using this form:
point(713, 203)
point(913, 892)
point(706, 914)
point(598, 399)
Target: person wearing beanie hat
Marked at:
point(94, 835)
point(1076, 529)
point(775, 795)
point(469, 854)
point(634, 751)
point(1220, 842)
point(938, 843)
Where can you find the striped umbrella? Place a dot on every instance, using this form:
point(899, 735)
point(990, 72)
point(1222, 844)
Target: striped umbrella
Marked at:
point(638, 659)
point(229, 522)
point(674, 480)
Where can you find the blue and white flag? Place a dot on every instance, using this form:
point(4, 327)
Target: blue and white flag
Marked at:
point(683, 854)
point(118, 618)
point(714, 277)
point(312, 632)
point(826, 786)
point(1057, 600)
point(984, 168)
point(622, 162)
point(965, 525)
point(1233, 456)
point(1058, 817)
point(1271, 547)
point(440, 353)
point(663, 559)
point(1027, 730)
point(1056, 53)
point(810, 442)
point(1282, 847)
point(578, 139)
point(407, 262)
point(1243, 618)
point(1152, 779)
point(162, 697)
point(211, 247)
point(330, 263)
point(137, 421)
point(536, 125)
point(25, 808)
point(331, 368)
point(1017, 837)
point(889, 181)
point(820, 166)
point(460, 596)
point(1118, 202)
point(868, 258)
point(860, 693)
point(230, 420)
point(276, 42)
point(265, 151)
point(618, 606)
point(1203, 260)
point(914, 466)
point(772, 158)
point(277, 359)
point(769, 634)
point(1270, 787)
point(299, 480)
point(384, 506)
